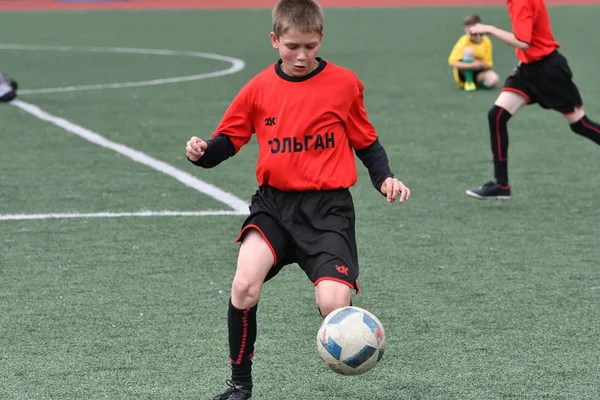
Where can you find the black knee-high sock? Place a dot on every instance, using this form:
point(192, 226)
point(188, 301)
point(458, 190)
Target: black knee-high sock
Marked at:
point(587, 128)
point(242, 335)
point(498, 120)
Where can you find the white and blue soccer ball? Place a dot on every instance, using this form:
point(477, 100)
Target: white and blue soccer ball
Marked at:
point(351, 340)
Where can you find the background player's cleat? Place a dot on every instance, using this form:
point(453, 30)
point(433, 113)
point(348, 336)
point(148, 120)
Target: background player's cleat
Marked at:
point(8, 88)
point(470, 86)
point(234, 392)
point(490, 190)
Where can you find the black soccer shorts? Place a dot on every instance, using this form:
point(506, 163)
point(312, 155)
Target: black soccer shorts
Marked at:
point(315, 229)
point(547, 82)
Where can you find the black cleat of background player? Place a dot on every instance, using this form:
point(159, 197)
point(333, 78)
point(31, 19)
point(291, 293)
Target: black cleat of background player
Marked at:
point(8, 88)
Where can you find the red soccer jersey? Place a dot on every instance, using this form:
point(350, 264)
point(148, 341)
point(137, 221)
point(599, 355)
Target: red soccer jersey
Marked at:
point(306, 127)
point(531, 24)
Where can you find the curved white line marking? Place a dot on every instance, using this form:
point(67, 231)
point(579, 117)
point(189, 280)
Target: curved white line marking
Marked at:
point(239, 206)
point(236, 66)
point(191, 181)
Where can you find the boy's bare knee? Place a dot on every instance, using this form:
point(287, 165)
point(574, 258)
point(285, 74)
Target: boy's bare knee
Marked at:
point(488, 78)
point(574, 116)
point(326, 307)
point(493, 79)
point(244, 292)
point(510, 101)
point(331, 303)
point(331, 295)
point(254, 262)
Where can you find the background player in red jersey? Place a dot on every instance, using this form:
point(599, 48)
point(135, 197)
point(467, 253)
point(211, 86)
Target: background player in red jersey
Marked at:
point(309, 119)
point(543, 76)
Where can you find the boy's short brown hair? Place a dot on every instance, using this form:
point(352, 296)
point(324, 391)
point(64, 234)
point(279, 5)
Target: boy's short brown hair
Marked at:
point(304, 15)
point(472, 19)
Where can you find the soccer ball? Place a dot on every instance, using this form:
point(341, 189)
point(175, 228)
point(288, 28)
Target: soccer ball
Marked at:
point(351, 340)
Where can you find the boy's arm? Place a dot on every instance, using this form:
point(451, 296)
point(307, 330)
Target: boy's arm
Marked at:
point(234, 131)
point(218, 149)
point(363, 139)
point(375, 159)
point(507, 37)
point(487, 56)
point(457, 52)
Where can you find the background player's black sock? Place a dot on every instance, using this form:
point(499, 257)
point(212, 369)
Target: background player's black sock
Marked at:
point(242, 335)
point(498, 120)
point(587, 128)
point(501, 172)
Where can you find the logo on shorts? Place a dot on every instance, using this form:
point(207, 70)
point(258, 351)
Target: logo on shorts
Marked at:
point(341, 269)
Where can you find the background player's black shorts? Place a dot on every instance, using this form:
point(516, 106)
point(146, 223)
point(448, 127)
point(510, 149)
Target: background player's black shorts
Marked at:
point(547, 82)
point(315, 229)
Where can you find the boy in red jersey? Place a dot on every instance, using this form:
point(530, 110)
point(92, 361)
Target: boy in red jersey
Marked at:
point(309, 118)
point(543, 76)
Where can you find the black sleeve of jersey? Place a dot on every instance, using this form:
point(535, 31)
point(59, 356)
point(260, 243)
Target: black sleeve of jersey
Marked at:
point(219, 149)
point(375, 159)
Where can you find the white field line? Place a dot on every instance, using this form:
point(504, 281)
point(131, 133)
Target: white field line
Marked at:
point(191, 181)
point(236, 66)
point(22, 217)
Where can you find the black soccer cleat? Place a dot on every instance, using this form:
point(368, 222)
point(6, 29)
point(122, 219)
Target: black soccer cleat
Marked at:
point(8, 88)
point(234, 392)
point(490, 190)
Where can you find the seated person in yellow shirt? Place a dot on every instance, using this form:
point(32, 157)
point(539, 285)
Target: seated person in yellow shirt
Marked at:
point(471, 59)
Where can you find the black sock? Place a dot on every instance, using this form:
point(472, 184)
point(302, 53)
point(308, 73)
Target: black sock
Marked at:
point(242, 335)
point(498, 119)
point(587, 128)
point(501, 172)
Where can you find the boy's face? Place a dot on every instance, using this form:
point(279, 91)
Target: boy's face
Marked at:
point(475, 37)
point(298, 51)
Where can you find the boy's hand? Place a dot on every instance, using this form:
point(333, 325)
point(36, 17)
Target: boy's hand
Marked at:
point(392, 188)
point(481, 29)
point(195, 148)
